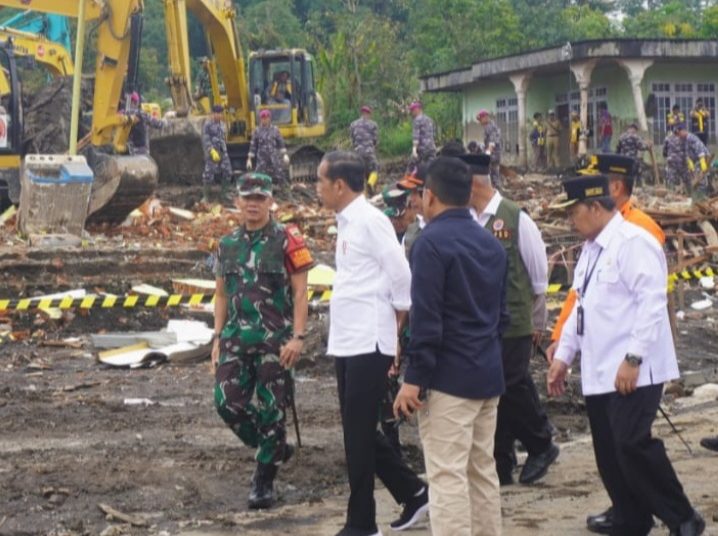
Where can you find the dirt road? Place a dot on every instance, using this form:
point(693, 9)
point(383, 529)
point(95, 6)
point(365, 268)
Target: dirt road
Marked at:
point(71, 441)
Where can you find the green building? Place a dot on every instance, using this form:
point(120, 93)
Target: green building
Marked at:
point(638, 79)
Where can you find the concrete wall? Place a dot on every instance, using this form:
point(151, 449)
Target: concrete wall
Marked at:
point(542, 91)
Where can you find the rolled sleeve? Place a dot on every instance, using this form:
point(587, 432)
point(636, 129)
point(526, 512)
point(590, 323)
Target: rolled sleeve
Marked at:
point(388, 252)
point(427, 293)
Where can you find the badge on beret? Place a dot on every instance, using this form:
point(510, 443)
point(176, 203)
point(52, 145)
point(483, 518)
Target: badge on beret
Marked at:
point(498, 224)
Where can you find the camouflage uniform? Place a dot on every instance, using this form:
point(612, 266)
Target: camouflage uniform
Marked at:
point(492, 134)
point(139, 141)
point(267, 146)
point(423, 137)
point(256, 267)
point(214, 137)
point(364, 134)
point(203, 84)
point(678, 152)
point(630, 144)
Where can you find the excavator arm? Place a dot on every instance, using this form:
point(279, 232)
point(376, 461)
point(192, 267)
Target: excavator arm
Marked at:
point(218, 19)
point(113, 50)
point(53, 55)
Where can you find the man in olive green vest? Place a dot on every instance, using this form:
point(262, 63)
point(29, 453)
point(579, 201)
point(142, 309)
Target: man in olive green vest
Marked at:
point(520, 415)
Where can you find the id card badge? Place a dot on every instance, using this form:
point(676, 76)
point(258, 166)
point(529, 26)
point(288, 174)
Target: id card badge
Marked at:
point(579, 320)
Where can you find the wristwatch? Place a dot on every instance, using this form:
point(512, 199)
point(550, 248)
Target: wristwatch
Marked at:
point(633, 360)
point(299, 336)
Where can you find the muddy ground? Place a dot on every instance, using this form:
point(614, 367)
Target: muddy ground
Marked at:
point(70, 441)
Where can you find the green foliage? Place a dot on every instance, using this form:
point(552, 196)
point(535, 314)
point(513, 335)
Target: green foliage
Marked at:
point(395, 139)
point(672, 19)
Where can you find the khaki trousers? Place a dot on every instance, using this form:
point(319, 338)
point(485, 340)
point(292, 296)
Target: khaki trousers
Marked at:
point(458, 439)
point(552, 152)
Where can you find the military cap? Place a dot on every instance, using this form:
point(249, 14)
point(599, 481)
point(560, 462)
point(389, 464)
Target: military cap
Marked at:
point(584, 188)
point(395, 200)
point(218, 108)
point(254, 183)
point(611, 164)
point(482, 113)
point(416, 105)
point(366, 109)
point(265, 113)
point(680, 125)
point(478, 163)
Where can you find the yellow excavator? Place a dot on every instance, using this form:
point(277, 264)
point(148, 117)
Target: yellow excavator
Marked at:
point(54, 56)
point(121, 182)
point(297, 110)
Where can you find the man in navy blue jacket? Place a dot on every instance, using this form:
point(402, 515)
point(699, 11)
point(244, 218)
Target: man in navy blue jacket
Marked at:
point(457, 316)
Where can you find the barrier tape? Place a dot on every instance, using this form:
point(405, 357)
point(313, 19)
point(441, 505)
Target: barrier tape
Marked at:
point(685, 275)
point(125, 302)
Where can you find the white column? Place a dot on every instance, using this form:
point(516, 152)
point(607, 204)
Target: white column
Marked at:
point(636, 69)
point(521, 82)
point(582, 72)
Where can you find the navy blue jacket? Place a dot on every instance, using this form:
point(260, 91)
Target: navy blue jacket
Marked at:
point(458, 309)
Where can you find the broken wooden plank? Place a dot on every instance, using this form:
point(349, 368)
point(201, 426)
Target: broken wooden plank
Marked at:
point(135, 521)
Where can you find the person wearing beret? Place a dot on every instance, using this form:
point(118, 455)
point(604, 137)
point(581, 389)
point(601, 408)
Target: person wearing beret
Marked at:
point(621, 330)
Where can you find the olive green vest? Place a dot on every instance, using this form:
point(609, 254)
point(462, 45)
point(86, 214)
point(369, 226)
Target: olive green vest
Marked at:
point(519, 291)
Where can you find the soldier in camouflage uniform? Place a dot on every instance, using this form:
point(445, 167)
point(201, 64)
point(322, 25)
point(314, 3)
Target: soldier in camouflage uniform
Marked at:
point(216, 158)
point(203, 86)
point(139, 140)
point(260, 317)
point(630, 143)
point(364, 134)
point(423, 146)
point(492, 145)
point(268, 148)
point(682, 151)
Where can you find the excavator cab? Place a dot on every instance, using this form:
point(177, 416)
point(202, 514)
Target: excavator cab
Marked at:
point(282, 81)
point(10, 127)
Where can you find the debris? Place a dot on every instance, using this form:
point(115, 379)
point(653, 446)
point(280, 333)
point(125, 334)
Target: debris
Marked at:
point(111, 514)
point(138, 402)
point(193, 286)
point(149, 290)
point(707, 283)
point(113, 530)
point(701, 305)
point(72, 342)
point(8, 214)
point(154, 339)
point(77, 387)
point(182, 214)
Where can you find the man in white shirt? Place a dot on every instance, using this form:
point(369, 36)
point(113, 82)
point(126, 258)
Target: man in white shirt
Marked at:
point(520, 414)
point(371, 294)
point(620, 327)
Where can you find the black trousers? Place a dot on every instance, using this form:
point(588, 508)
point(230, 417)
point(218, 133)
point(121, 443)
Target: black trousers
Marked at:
point(520, 414)
point(634, 467)
point(703, 136)
point(361, 381)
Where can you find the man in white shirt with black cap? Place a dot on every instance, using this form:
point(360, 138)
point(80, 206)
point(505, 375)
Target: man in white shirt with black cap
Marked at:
point(620, 328)
point(371, 294)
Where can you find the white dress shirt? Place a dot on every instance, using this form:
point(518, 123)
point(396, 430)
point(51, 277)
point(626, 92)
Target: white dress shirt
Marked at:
point(531, 245)
point(372, 282)
point(624, 309)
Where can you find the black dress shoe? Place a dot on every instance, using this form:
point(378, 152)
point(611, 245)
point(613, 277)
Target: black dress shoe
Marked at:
point(537, 466)
point(601, 523)
point(693, 527)
point(710, 443)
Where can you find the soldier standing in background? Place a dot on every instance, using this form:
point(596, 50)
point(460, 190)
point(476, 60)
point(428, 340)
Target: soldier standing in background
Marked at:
point(364, 134)
point(139, 140)
point(538, 142)
point(203, 86)
point(699, 121)
point(682, 151)
point(553, 131)
point(216, 158)
point(267, 146)
point(492, 145)
point(630, 143)
point(259, 323)
point(423, 145)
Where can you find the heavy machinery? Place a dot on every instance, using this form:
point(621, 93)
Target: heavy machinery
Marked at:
point(121, 182)
point(298, 114)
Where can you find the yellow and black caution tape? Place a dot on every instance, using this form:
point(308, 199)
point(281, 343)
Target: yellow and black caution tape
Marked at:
point(125, 302)
point(685, 275)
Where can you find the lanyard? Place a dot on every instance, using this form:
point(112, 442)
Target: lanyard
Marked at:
point(589, 274)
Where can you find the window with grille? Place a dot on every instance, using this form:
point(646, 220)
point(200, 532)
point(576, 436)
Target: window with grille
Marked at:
point(684, 94)
point(507, 119)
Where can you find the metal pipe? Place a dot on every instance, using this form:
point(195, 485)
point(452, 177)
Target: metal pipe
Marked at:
point(77, 78)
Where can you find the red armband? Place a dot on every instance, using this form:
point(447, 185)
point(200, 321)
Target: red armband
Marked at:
point(296, 254)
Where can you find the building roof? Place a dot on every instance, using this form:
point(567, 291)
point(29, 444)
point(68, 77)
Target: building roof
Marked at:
point(558, 57)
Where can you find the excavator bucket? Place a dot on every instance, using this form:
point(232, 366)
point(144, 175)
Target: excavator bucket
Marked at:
point(122, 183)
